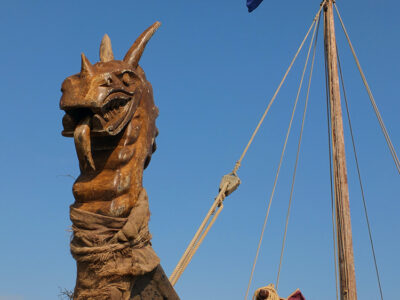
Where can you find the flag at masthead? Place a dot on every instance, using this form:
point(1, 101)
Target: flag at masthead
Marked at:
point(253, 4)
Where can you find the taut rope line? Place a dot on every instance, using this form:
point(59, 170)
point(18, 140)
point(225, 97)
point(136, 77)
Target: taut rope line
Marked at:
point(237, 166)
point(313, 24)
point(371, 97)
point(360, 181)
point(183, 261)
point(298, 153)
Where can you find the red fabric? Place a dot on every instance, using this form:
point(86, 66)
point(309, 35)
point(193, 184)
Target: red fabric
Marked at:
point(297, 295)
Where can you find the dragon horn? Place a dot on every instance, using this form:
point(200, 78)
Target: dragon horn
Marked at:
point(133, 55)
point(106, 53)
point(86, 66)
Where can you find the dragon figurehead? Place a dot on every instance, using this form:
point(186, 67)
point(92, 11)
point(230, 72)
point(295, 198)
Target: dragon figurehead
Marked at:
point(110, 112)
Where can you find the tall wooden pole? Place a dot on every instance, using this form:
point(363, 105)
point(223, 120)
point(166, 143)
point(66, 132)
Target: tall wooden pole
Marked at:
point(345, 244)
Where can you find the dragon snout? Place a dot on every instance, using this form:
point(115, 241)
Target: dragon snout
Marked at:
point(106, 119)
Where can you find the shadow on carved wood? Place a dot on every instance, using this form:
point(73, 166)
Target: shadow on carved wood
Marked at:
point(110, 113)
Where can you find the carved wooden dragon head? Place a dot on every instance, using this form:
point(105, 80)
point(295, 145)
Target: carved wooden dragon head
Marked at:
point(103, 98)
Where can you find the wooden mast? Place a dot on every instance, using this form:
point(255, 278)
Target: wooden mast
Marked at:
point(344, 235)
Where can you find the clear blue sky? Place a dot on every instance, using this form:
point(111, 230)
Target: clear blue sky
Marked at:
point(213, 68)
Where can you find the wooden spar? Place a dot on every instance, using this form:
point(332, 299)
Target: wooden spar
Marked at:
point(344, 235)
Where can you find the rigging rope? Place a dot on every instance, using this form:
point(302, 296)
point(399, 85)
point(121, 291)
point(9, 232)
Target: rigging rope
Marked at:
point(203, 230)
point(184, 261)
point(238, 163)
point(359, 179)
point(298, 151)
point(371, 97)
point(283, 150)
point(227, 187)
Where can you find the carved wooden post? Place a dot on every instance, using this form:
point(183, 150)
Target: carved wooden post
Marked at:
point(110, 112)
point(345, 244)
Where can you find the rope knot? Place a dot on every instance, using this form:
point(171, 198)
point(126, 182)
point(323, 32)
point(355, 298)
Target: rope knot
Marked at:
point(229, 183)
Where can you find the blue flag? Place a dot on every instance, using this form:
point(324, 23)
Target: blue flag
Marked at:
point(253, 4)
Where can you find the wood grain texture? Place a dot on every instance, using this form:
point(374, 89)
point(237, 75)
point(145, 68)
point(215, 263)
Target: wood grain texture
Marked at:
point(348, 289)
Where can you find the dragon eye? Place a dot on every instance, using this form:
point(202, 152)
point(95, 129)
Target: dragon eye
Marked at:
point(126, 79)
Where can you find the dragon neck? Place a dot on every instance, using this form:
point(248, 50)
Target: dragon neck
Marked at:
point(113, 188)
